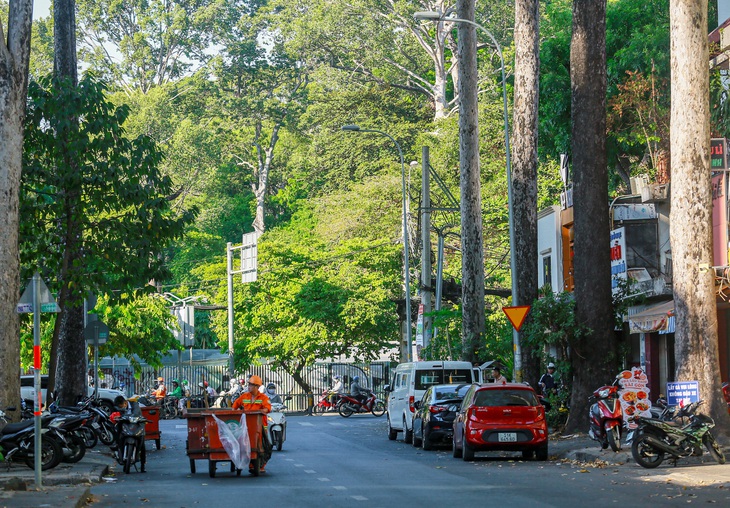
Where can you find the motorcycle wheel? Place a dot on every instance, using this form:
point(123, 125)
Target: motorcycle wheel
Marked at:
point(614, 438)
point(51, 454)
point(128, 457)
point(345, 410)
point(715, 451)
point(378, 409)
point(106, 435)
point(317, 409)
point(644, 454)
point(276, 438)
point(78, 450)
point(89, 437)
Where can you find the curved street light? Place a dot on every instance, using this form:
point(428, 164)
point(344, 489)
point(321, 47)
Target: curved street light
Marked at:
point(439, 17)
point(406, 268)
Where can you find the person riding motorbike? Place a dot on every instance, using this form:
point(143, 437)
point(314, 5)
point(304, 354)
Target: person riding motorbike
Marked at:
point(357, 391)
point(337, 389)
point(176, 389)
point(254, 400)
point(121, 408)
point(185, 389)
point(208, 391)
point(161, 391)
point(274, 398)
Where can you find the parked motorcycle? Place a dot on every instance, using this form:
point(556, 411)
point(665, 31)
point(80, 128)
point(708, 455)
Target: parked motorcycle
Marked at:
point(65, 429)
point(277, 425)
point(349, 405)
point(17, 440)
point(657, 438)
point(328, 402)
point(98, 426)
point(132, 443)
point(606, 417)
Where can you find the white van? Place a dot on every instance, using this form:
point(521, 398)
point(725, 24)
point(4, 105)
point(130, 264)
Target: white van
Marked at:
point(410, 381)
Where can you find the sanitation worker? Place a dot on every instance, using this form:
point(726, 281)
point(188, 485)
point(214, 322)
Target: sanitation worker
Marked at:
point(255, 400)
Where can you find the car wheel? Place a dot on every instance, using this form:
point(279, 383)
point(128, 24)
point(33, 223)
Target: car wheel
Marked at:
point(392, 433)
point(467, 452)
point(527, 454)
point(407, 434)
point(542, 453)
point(427, 444)
point(456, 452)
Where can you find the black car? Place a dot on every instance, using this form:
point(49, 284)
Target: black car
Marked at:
point(435, 413)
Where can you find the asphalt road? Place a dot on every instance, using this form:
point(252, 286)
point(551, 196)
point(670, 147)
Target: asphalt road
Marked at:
point(331, 461)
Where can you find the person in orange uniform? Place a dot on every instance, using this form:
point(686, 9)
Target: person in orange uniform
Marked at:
point(161, 391)
point(254, 400)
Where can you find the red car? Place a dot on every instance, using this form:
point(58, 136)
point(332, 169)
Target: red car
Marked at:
point(501, 417)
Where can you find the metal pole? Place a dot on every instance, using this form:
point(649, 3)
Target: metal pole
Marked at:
point(426, 282)
point(229, 255)
point(439, 274)
point(37, 377)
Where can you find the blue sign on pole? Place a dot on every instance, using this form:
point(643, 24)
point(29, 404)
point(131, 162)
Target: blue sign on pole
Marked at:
point(684, 392)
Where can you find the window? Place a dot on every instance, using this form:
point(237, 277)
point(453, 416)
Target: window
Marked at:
point(452, 392)
point(501, 398)
point(430, 377)
point(547, 271)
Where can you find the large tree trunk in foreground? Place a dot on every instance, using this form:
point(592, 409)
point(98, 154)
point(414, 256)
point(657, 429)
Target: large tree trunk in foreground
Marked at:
point(472, 251)
point(524, 169)
point(593, 358)
point(696, 345)
point(14, 59)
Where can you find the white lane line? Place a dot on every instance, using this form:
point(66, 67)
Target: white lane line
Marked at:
point(298, 465)
point(289, 460)
point(306, 424)
point(339, 487)
point(310, 471)
point(323, 479)
point(359, 498)
point(181, 426)
point(337, 424)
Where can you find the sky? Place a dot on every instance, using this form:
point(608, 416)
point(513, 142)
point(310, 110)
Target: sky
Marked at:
point(41, 8)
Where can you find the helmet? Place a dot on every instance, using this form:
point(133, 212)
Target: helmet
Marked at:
point(185, 381)
point(175, 382)
point(201, 385)
point(255, 380)
point(356, 378)
point(337, 377)
point(270, 387)
point(160, 378)
point(551, 365)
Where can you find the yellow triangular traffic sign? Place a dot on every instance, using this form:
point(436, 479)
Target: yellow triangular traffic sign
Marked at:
point(517, 315)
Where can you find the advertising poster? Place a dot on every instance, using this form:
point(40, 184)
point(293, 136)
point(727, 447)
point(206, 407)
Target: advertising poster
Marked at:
point(634, 395)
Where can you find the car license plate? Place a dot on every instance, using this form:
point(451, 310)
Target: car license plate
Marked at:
point(507, 437)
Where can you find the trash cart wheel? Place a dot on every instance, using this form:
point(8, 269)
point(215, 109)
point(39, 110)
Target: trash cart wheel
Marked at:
point(211, 468)
point(157, 443)
point(192, 466)
point(233, 467)
point(238, 472)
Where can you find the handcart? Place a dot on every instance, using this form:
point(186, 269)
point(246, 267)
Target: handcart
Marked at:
point(196, 445)
point(152, 427)
point(255, 425)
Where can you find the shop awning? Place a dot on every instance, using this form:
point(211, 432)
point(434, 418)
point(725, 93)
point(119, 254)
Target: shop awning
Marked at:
point(653, 318)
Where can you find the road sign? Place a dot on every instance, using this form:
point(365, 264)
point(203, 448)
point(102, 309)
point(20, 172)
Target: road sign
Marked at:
point(48, 303)
point(517, 315)
point(96, 333)
point(683, 392)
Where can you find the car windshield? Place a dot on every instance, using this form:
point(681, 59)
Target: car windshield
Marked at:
point(430, 377)
point(495, 398)
point(450, 392)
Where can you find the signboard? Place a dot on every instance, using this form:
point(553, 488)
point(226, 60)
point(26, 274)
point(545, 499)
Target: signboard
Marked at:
point(185, 334)
point(249, 257)
point(634, 395)
point(718, 154)
point(48, 303)
point(419, 326)
point(618, 257)
point(681, 393)
point(516, 315)
point(96, 333)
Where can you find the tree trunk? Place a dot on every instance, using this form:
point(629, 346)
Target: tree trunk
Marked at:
point(68, 374)
point(593, 358)
point(472, 251)
point(265, 158)
point(14, 59)
point(524, 168)
point(696, 345)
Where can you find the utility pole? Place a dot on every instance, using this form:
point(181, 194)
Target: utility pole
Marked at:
point(426, 282)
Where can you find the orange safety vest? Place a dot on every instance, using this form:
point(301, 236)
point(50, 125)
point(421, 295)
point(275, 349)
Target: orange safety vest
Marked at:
point(249, 402)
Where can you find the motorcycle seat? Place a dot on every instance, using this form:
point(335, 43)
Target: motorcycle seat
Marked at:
point(12, 428)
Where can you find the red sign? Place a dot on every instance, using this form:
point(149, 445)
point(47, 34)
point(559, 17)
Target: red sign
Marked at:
point(517, 315)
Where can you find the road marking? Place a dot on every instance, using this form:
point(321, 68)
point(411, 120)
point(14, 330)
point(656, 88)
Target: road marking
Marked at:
point(323, 479)
point(298, 465)
point(337, 424)
point(310, 471)
point(306, 424)
point(359, 498)
point(289, 460)
point(339, 487)
point(181, 426)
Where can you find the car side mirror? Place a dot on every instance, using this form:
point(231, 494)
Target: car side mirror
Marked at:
point(386, 388)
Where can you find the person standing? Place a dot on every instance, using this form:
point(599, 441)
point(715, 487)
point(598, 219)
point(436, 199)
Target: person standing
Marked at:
point(547, 381)
point(255, 400)
point(498, 377)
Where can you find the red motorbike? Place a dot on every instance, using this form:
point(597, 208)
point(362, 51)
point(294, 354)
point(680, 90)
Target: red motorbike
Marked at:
point(328, 402)
point(350, 405)
point(606, 417)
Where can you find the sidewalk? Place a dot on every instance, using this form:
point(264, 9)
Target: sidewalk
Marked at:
point(65, 486)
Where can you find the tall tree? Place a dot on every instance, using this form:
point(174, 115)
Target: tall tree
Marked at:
point(14, 61)
point(595, 358)
point(696, 347)
point(472, 250)
point(524, 176)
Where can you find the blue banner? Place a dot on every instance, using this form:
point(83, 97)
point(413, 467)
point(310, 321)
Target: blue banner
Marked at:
point(683, 392)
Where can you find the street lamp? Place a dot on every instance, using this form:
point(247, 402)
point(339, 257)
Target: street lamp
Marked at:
point(439, 17)
point(406, 268)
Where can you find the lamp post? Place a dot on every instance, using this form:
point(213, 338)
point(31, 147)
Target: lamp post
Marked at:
point(441, 17)
point(406, 268)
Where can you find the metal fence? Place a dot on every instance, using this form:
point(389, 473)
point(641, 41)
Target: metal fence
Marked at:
point(318, 377)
